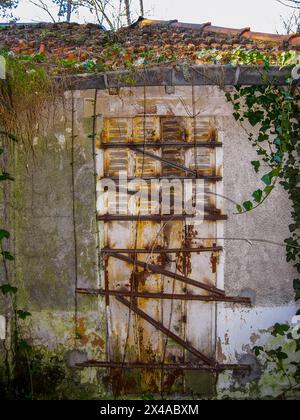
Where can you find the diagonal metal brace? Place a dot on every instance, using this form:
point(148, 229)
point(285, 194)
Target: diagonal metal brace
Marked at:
point(166, 161)
point(159, 270)
point(166, 331)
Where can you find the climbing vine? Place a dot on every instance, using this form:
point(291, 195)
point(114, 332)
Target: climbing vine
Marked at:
point(270, 115)
point(23, 97)
point(273, 111)
point(15, 347)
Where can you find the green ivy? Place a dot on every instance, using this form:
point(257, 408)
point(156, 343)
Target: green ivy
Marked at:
point(274, 112)
point(19, 346)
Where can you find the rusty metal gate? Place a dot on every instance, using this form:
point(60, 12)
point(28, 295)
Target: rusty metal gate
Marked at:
point(160, 270)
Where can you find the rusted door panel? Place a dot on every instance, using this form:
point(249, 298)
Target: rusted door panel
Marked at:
point(146, 166)
point(119, 234)
point(116, 130)
point(194, 321)
point(173, 311)
point(146, 129)
point(200, 129)
point(116, 160)
point(148, 282)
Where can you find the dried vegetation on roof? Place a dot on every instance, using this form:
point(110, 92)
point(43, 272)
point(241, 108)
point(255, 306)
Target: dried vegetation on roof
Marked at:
point(74, 48)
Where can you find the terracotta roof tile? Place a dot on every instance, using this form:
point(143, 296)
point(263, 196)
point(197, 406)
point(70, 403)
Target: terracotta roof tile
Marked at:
point(260, 36)
point(90, 48)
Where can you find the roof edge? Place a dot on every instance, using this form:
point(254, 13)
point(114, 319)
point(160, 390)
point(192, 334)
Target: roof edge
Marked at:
point(201, 75)
point(290, 39)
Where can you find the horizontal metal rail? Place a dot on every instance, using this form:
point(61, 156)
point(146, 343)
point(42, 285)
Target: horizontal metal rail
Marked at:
point(160, 270)
point(163, 250)
point(158, 325)
point(207, 209)
point(162, 366)
point(167, 296)
point(211, 178)
point(160, 144)
point(156, 217)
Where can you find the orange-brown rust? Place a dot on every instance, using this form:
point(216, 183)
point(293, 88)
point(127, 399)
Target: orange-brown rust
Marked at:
point(219, 170)
point(81, 332)
point(212, 133)
point(170, 380)
point(220, 355)
point(98, 143)
point(214, 263)
point(97, 341)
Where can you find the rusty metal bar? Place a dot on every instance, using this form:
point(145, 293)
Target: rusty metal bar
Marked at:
point(167, 332)
point(162, 250)
point(168, 296)
point(166, 161)
point(159, 177)
point(132, 145)
point(159, 270)
point(160, 366)
point(155, 217)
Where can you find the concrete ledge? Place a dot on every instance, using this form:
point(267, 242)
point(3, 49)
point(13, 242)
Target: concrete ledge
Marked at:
point(204, 75)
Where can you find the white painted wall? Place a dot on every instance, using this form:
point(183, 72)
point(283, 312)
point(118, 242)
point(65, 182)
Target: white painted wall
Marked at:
point(239, 329)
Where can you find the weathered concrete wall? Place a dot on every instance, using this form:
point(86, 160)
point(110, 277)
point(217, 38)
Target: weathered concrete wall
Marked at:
point(47, 231)
point(56, 249)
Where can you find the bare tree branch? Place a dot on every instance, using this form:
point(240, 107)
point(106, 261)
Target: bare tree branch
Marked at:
point(142, 7)
point(293, 4)
point(42, 5)
point(127, 8)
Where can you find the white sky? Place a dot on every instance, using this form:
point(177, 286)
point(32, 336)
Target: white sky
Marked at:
point(260, 15)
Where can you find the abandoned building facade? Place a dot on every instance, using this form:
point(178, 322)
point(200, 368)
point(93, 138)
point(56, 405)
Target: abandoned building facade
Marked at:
point(128, 287)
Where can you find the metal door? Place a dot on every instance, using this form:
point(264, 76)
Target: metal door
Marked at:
point(146, 147)
point(161, 269)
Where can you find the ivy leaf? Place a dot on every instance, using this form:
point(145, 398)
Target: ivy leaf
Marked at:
point(23, 345)
point(269, 189)
point(277, 157)
point(228, 96)
point(267, 179)
point(257, 195)
point(239, 208)
point(280, 329)
point(256, 165)
point(6, 177)
point(296, 285)
point(281, 356)
point(7, 255)
point(248, 205)
point(23, 314)
point(9, 135)
point(254, 117)
point(257, 350)
point(8, 289)
point(4, 234)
